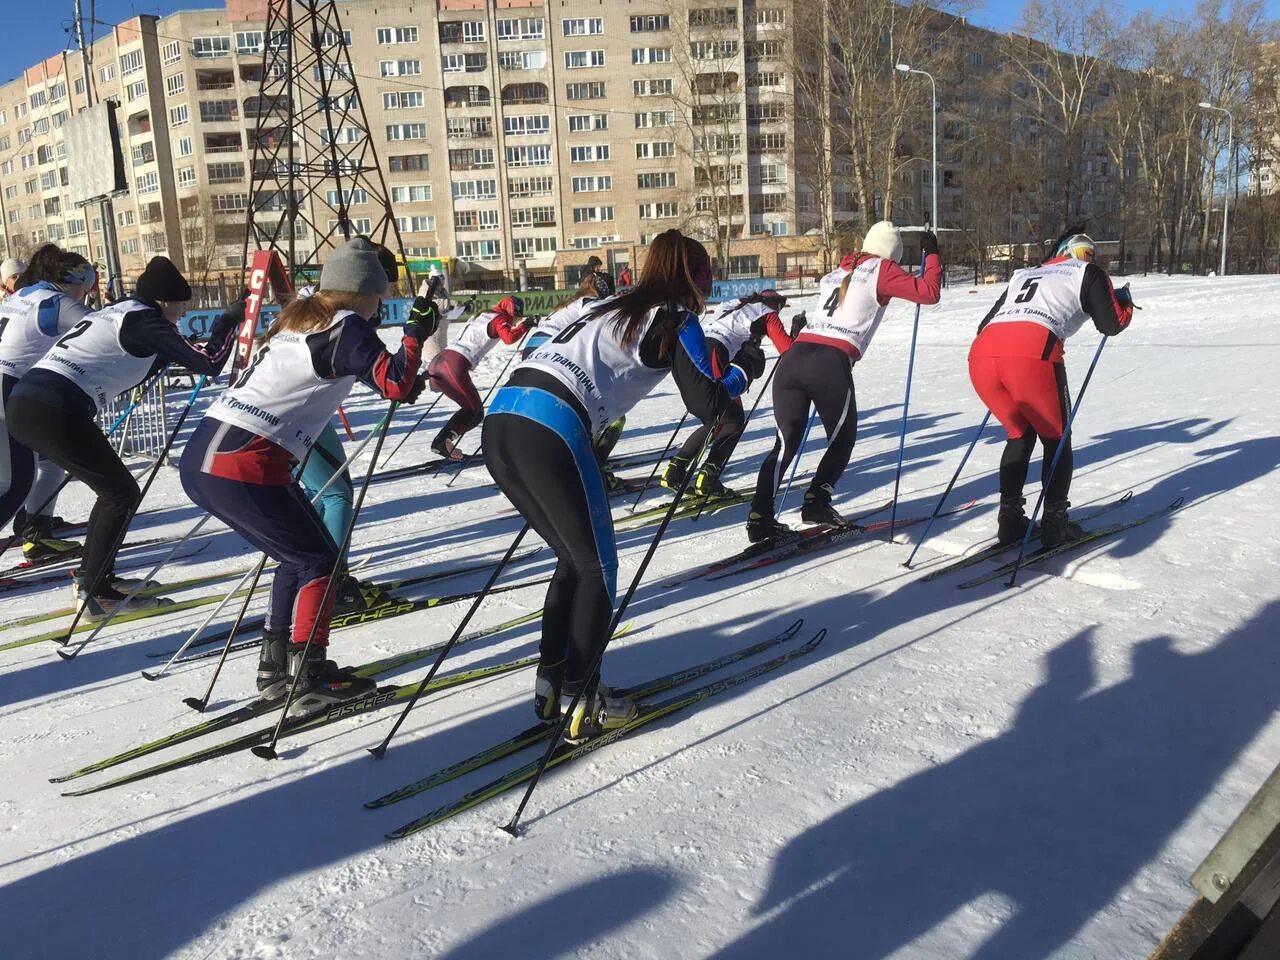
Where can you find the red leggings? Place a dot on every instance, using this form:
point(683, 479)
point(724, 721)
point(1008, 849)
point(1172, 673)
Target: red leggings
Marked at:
point(450, 373)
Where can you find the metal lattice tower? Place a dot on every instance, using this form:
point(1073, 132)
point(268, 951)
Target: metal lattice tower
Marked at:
point(311, 142)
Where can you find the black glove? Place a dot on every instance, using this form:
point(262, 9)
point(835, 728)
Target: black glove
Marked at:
point(751, 359)
point(798, 323)
point(928, 242)
point(760, 326)
point(424, 319)
point(419, 384)
point(228, 324)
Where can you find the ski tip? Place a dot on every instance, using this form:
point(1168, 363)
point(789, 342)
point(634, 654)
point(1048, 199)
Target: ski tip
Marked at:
point(265, 752)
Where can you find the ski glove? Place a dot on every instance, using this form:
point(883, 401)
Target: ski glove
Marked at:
point(750, 358)
point(424, 319)
point(928, 242)
point(228, 324)
point(798, 323)
point(419, 384)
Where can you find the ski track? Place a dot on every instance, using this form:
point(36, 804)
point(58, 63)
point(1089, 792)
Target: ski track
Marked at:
point(986, 773)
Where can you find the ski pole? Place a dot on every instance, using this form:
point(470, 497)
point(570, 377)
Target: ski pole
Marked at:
point(513, 826)
point(417, 423)
point(795, 464)
point(1053, 464)
point(947, 492)
point(195, 635)
point(662, 456)
point(199, 705)
point(906, 405)
point(465, 461)
point(268, 752)
point(69, 653)
point(381, 749)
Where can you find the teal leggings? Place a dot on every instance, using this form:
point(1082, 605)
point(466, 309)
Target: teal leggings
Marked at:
point(334, 506)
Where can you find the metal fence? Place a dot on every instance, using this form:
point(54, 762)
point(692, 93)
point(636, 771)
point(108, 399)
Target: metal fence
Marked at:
point(145, 430)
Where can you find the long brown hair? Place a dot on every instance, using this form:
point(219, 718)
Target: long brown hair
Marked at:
point(586, 288)
point(51, 264)
point(667, 278)
point(304, 314)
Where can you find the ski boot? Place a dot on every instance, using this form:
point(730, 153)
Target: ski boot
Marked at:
point(53, 524)
point(673, 476)
point(41, 546)
point(322, 682)
point(1012, 521)
point(1055, 528)
point(818, 509)
point(706, 482)
point(608, 439)
point(763, 525)
point(546, 692)
point(596, 713)
point(612, 482)
point(273, 665)
point(356, 596)
point(109, 602)
point(446, 445)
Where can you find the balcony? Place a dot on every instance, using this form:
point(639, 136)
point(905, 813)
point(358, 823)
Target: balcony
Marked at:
point(215, 80)
point(223, 143)
point(456, 98)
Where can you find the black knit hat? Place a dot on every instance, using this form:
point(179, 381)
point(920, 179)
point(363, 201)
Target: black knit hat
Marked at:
point(161, 281)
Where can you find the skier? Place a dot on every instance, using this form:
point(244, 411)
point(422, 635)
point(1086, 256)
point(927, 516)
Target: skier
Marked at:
point(52, 410)
point(537, 445)
point(818, 369)
point(46, 303)
point(596, 285)
point(238, 464)
point(750, 318)
point(450, 371)
point(10, 271)
point(1016, 366)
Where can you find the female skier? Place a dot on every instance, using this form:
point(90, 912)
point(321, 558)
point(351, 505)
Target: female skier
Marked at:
point(450, 371)
point(238, 464)
point(750, 318)
point(537, 444)
point(46, 304)
point(52, 410)
point(1016, 366)
point(818, 369)
point(596, 285)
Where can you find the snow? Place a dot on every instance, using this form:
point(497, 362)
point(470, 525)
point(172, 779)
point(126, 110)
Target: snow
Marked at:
point(985, 773)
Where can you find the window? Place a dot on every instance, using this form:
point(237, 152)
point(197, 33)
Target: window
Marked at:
point(359, 225)
point(20, 109)
point(397, 34)
point(229, 202)
point(75, 228)
point(524, 28)
point(125, 218)
point(522, 59)
point(769, 79)
point(52, 207)
point(408, 100)
point(357, 195)
point(108, 73)
point(175, 84)
point(533, 217)
point(129, 246)
point(583, 27)
point(772, 174)
point(589, 153)
point(764, 50)
point(583, 122)
point(411, 193)
point(468, 128)
point(58, 91)
point(186, 176)
point(655, 118)
point(592, 214)
point(408, 162)
point(641, 55)
point(769, 143)
point(44, 154)
point(585, 91)
point(178, 115)
point(532, 246)
point(399, 68)
point(431, 251)
point(764, 112)
point(577, 59)
point(590, 243)
point(211, 46)
point(171, 52)
point(667, 210)
point(143, 153)
point(537, 155)
point(655, 149)
point(147, 183)
point(249, 41)
point(662, 180)
point(473, 31)
point(591, 184)
point(654, 23)
point(471, 158)
point(130, 62)
point(418, 224)
point(713, 49)
point(532, 124)
point(331, 39)
point(768, 17)
point(330, 71)
point(517, 93)
point(136, 90)
point(713, 17)
point(11, 192)
point(475, 189)
point(406, 131)
point(225, 172)
point(772, 202)
point(463, 62)
point(529, 187)
point(651, 88)
point(218, 111)
point(480, 250)
point(475, 220)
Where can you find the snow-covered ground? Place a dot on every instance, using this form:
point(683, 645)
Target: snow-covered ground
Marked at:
point(985, 773)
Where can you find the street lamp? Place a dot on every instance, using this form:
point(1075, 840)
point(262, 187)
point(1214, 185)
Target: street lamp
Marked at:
point(907, 68)
point(1226, 193)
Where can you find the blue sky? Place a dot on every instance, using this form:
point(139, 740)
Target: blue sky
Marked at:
point(37, 30)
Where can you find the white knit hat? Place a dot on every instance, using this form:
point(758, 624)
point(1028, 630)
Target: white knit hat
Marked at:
point(11, 268)
point(883, 240)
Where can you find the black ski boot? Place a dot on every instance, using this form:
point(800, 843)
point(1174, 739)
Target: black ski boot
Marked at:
point(1055, 528)
point(762, 525)
point(1012, 521)
point(818, 509)
point(674, 473)
point(446, 445)
point(706, 482)
point(356, 596)
point(273, 665)
point(323, 683)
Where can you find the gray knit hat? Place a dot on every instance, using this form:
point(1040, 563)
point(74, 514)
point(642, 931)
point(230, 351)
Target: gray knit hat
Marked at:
point(354, 267)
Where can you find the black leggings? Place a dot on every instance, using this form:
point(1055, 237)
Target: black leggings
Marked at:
point(554, 481)
point(809, 373)
point(732, 421)
point(1018, 451)
point(71, 439)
